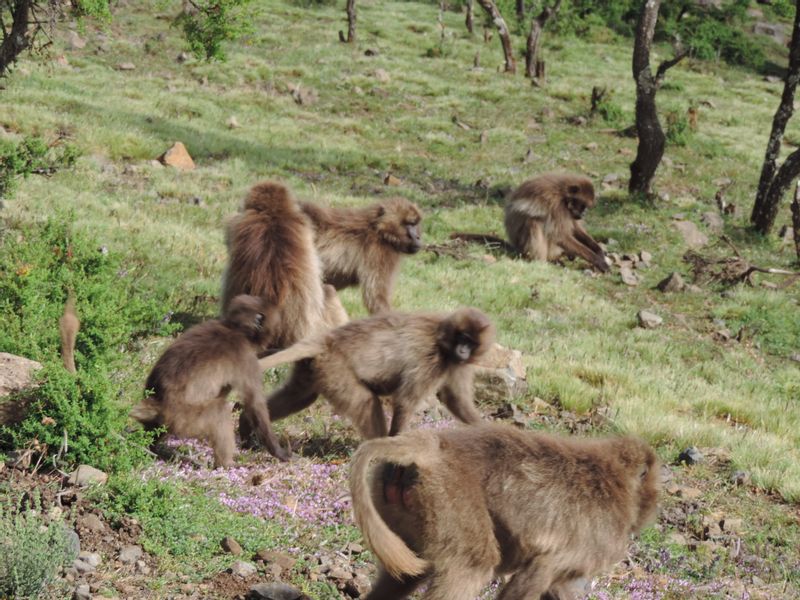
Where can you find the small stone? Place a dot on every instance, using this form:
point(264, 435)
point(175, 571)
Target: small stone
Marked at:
point(691, 456)
point(740, 478)
point(243, 569)
point(672, 283)
point(382, 76)
point(74, 41)
point(85, 475)
point(82, 567)
point(488, 259)
point(693, 237)
point(282, 560)
point(357, 587)
point(529, 156)
point(733, 525)
point(591, 146)
point(91, 522)
point(91, 558)
point(649, 320)
point(610, 179)
point(340, 573)
point(82, 592)
point(231, 546)
point(371, 52)
point(304, 96)
point(73, 541)
point(392, 180)
point(182, 57)
point(645, 258)
point(786, 233)
point(232, 123)
point(126, 66)
point(795, 357)
point(156, 164)
point(628, 276)
point(695, 289)
point(178, 157)
point(275, 591)
point(484, 137)
point(713, 221)
point(355, 548)
point(130, 554)
point(689, 493)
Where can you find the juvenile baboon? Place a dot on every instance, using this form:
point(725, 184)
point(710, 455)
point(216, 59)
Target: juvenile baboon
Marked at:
point(365, 245)
point(404, 356)
point(191, 381)
point(271, 255)
point(543, 220)
point(495, 500)
point(68, 326)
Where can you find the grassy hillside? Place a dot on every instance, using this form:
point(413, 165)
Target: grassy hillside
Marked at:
point(457, 137)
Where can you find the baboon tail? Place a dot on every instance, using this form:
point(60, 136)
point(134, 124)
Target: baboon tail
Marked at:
point(397, 558)
point(68, 326)
point(307, 348)
point(148, 413)
point(484, 238)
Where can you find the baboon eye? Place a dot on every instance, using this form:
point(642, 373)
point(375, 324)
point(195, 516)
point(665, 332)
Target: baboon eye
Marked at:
point(259, 320)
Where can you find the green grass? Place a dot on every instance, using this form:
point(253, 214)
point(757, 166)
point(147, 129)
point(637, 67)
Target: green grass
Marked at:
point(676, 386)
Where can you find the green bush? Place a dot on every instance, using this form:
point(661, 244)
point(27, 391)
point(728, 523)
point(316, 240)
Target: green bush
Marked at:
point(212, 24)
point(38, 265)
point(32, 551)
point(31, 155)
point(678, 131)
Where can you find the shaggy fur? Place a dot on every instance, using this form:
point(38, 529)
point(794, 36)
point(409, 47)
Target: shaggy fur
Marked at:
point(404, 356)
point(543, 220)
point(191, 381)
point(271, 255)
point(364, 246)
point(493, 499)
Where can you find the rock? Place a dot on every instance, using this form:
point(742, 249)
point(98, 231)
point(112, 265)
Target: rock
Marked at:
point(275, 591)
point(628, 276)
point(126, 66)
point(340, 573)
point(591, 146)
point(182, 57)
point(713, 221)
point(693, 237)
point(82, 567)
point(672, 283)
point(500, 375)
point(382, 76)
point(284, 561)
point(355, 548)
point(795, 357)
point(691, 456)
point(786, 233)
point(695, 289)
point(392, 180)
point(484, 137)
point(610, 179)
point(130, 554)
point(645, 258)
point(243, 569)
point(90, 558)
point(689, 493)
point(649, 320)
point(85, 475)
point(231, 546)
point(772, 79)
point(156, 164)
point(74, 41)
point(232, 123)
point(773, 30)
point(15, 373)
point(177, 157)
point(91, 522)
point(82, 592)
point(371, 52)
point(73, 541)
point(357, 587)
point(303, 96)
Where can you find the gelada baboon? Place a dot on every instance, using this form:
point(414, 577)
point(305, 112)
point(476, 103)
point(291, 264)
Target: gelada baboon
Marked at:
point(271, 255)
point(404, 356)
point(68, 326)
point(543, 220)
point(191, 381)
point(472, 504)
point(365, 245)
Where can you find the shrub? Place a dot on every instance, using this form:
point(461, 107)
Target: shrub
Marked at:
point(31, 155)
point(678, 130)
point(213, 23)
point(38, 265)
point(32, 551)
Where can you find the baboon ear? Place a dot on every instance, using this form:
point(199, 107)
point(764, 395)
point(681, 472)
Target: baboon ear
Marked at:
point(573, 189)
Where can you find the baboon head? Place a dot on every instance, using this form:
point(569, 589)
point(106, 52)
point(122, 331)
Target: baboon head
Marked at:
point(398, 224)
point(247, 314)
point(645, 467)
point(578, 195)
point(465, 335)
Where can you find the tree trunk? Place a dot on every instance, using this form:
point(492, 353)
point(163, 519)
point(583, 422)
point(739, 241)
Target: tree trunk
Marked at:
point(351, 24)
point(648, 127)
point(17, 39)
point(470, 17)
point(763, 215)
point(502, 30)
point(796, 222)
point(534, 37)
point(788, 172)
point(521, 10)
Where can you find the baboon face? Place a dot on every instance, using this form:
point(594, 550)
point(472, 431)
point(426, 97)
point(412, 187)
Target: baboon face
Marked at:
point(399, 226)
point(464, 336)
point(579, 197)
point(247, 314)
